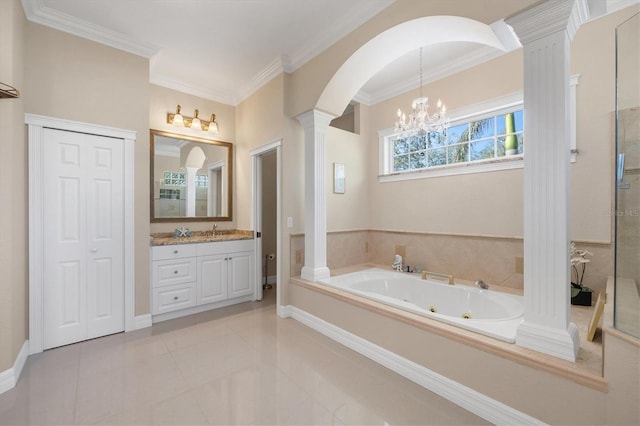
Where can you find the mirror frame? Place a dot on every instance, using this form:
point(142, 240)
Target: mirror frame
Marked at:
point(152, 134)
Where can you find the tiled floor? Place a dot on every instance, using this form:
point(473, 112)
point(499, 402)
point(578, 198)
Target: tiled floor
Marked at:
point(235, 365)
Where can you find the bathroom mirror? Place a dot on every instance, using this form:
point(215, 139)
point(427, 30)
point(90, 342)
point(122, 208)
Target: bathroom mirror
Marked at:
point(190, 178)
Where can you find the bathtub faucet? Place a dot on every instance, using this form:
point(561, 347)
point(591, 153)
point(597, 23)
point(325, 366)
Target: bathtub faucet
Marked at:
point(482, 284)
point(426, 274)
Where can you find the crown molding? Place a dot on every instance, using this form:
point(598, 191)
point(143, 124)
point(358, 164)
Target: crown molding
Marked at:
point(37, 12)
point(331, 35)
point(616, 5)
point(272, 70)
point(477, 57)
point(225, 97)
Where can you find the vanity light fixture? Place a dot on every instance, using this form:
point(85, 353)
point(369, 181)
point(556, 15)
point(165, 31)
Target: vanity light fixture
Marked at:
point(193, 122)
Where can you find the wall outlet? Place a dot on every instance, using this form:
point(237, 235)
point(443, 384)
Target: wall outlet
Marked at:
point(402, 251)
point(519, 265)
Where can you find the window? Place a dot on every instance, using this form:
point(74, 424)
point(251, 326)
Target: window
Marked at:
point(476, 141)
point(179, 179)
point(488, 138)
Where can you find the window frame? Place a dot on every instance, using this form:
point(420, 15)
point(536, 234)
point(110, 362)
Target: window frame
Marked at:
point(482, 110)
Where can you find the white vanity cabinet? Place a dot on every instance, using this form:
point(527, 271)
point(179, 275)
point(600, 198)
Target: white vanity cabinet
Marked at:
point(225, 270)
point(190, 278)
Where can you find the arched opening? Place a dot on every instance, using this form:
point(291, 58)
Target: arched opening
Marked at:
point(365, 62)
point(392, 44)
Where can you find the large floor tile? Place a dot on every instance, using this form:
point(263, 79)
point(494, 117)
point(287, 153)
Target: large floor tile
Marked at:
point(236, 365)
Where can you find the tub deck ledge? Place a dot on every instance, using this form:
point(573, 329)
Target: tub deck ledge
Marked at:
point(575, 372)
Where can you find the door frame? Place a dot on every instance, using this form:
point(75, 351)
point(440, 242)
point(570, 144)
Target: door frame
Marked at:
point(37, 124)
point(256, 213)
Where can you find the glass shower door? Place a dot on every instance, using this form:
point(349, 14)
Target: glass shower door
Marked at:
point(627, 217)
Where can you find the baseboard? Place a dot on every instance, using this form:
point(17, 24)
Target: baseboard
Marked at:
point(200, 308)
point(488, 408)
point(142, 321)
point(10, 377)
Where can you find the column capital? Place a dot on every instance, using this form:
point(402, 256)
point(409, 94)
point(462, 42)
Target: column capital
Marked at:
point(550, 17)
point(314, 118)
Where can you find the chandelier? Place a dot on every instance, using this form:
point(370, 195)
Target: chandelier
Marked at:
point(419, 121)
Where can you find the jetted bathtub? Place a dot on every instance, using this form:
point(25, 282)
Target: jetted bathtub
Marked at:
point(487, 312)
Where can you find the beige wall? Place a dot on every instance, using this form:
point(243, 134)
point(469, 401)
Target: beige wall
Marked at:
point(13, 189)
point(348, 210)
point(75, 79)
point(478, 204)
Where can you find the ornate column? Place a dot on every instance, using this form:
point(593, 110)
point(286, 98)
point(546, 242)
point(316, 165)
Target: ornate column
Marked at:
point(315, 125)
point(545, 32)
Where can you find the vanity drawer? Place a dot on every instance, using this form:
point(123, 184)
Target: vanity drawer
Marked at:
point(176, 251)
point(175, 271)
point(171, 298)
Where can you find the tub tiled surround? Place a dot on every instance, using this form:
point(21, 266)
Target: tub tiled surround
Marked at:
point(495, 260)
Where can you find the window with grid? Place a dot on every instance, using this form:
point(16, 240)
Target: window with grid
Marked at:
point(179, 179)
point(472, 141)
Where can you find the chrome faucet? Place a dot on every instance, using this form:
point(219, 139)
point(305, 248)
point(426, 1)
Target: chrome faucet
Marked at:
point(482, 284)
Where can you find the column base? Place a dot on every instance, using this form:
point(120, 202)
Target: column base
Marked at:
point(560, 343)
point(314, 274)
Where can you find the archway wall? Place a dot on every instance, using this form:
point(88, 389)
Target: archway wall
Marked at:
point(306, 84)
point(395, 43)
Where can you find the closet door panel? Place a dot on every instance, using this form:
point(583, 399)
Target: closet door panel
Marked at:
point(105, 236)
point(64, 236)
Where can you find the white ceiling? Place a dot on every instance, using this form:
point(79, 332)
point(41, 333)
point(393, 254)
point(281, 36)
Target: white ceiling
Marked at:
point(224, 50)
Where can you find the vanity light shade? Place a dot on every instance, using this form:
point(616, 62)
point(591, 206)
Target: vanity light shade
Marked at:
point(177, 118)
point(195, 123)
point(213, 126)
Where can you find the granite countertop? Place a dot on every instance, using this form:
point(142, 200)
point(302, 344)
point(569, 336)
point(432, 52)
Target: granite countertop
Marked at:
point(167, 238)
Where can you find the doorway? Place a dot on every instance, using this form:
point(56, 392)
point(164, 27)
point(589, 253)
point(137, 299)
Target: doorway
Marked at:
point(266, 170)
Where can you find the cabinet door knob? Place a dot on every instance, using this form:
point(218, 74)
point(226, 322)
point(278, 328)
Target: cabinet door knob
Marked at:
point(175, 272)
point(175, 297)
point(230, 258)
point(175, 252)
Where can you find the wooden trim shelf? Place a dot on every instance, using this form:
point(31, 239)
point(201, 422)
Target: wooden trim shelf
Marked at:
point(7, 91)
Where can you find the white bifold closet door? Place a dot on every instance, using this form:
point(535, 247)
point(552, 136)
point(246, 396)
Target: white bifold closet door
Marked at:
point(83, 237)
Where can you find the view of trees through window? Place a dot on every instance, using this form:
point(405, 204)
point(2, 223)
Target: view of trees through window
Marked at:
point(488, 138)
